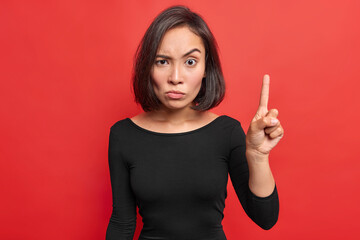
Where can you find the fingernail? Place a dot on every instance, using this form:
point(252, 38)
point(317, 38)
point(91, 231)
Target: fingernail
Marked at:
point(274, 121)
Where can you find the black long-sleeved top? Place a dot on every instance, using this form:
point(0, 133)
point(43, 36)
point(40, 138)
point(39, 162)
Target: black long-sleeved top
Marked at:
point(178, 181)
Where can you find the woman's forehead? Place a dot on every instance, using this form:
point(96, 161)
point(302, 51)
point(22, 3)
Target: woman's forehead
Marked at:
point(180, 40)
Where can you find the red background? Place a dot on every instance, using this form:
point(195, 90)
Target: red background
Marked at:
point(65, 79)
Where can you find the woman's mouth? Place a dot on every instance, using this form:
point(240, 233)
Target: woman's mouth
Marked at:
point(175, 94)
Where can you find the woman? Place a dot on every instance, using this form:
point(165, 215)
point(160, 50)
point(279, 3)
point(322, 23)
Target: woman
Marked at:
point(173, 160)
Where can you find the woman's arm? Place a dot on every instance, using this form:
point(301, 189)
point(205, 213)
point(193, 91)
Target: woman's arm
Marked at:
point(122, 222)
point(263, 211)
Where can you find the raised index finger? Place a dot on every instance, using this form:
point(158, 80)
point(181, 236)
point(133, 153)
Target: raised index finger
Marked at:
point(264, 97)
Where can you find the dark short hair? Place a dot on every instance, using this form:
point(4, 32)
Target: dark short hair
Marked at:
point(212, 89)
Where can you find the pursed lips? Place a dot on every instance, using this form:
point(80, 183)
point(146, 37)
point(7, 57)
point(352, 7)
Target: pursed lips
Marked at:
point(175, 94)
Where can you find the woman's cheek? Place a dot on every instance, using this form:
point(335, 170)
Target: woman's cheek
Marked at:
point(156, 79)
point(196, 79)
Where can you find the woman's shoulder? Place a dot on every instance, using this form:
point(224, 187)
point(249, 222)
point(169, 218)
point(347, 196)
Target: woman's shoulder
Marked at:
point(225, 119)
point(120, 125)
point(231, 119)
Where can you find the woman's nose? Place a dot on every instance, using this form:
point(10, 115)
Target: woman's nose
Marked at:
point(175, 75)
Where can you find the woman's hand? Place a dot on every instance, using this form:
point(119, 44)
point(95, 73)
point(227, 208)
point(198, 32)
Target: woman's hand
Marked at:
point(265, 130)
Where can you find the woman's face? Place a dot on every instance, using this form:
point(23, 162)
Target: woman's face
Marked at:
point(179, 66)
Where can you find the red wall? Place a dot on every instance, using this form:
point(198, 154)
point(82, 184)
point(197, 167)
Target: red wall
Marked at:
point(65, 79)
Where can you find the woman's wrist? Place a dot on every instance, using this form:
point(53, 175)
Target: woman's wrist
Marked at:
point(255, 156)
point(261, 180)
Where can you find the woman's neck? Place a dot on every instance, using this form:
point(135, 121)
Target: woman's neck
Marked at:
point(175, 116)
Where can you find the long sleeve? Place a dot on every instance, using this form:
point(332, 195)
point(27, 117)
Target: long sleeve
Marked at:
point(122, 222)
point(263, 211)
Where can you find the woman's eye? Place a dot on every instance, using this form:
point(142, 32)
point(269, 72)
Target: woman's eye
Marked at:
point(161, 62)
point(191, 62)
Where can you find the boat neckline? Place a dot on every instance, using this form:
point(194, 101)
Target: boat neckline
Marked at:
point(178, 133)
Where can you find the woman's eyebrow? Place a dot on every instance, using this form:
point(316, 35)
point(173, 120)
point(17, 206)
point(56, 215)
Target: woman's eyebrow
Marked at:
point(162, 56)
point(168, 57)
point(191, 51)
